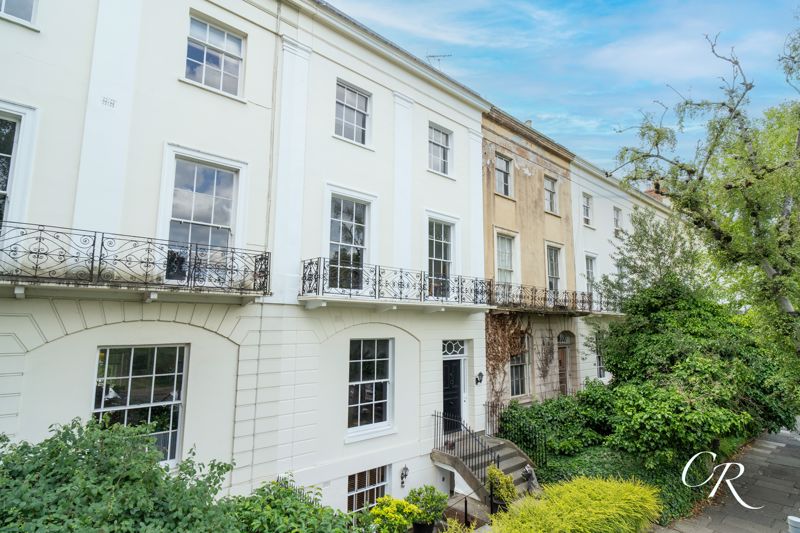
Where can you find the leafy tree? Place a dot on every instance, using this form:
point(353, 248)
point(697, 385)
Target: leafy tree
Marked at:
point(652, 249)
point(740, 187)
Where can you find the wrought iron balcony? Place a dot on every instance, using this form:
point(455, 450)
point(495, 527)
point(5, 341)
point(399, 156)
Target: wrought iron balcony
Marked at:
point(526, 297)
point(31, 253)
point(373, 282)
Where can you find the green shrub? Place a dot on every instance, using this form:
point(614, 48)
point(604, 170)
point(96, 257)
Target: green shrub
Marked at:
point(92, 478)
point(431, 503)
point(280, 507)
point(596, 405)
point(454, 526)
point(501, 485)
point(561, 419)
point(390, 515)
point(600, 461)
point(583, 505)
point(663, 423)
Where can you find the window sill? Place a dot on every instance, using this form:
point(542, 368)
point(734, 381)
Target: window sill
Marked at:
point(553, 213)
point(212, 90)
point(20, 22)
point(348, 141)
point(501, 195)
point(442, 174)
point(589, 226)
point(357, 435)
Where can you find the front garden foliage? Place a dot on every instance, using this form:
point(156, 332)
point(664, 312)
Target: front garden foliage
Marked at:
point(689, 375)
point(583, 505)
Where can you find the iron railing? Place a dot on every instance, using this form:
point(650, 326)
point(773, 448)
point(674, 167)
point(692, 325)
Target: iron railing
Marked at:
point(32, 253)
point(520, 430)
point(363, 281)
point(524, 297)
point(321, 277)
point(454, 437)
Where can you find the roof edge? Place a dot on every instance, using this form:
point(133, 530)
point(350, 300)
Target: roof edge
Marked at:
point(530, 133)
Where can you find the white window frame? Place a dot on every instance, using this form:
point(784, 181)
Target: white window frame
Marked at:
point(375, 429)
point(515, 254)
point(20, 174)
point(30, 24)
point(510, 173)
point(386, 485)
point(617, 217)
point(371, 255)
point(553, 211)
point(590, 281)
point(239, 95)
point(368, 123)
point(175, 151)
point(561, 266)
point(170, 463)
point(448, 150)
point(587, 209)
point(454, 221)
point(526, 370)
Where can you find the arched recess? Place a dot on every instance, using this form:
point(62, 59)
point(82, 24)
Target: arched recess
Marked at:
point(334, 394)
point(59, 381)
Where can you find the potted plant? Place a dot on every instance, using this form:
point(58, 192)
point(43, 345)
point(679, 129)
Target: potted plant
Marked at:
point(501, 488)
point(431, 503)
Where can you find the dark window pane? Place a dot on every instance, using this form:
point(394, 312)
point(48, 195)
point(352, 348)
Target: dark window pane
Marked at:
point(352, 417)
point(352, 396)
point(143, 361)
point(141, 389)
point(165, 362)
point(368, 370)
point(160, 416)
point(119, 362)
point(116, 394)
point(380, 391)
point(98, 394)
point(137, 416)
point(178, 387)
point(115, 417)
point(365, 415)
point(163, 388)
point(367, 392)
point(380, 412)
point(369, 349)
point(101, 363)
point(382, 369)
point(355, 372)
point(176, 416)
point(383, 349)
point(7, 132)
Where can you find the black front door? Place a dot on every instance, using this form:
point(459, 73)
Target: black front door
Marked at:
point(451, 392)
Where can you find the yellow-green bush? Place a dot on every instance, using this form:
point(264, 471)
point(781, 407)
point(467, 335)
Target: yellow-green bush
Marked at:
point(583, 505)
point(502, 484)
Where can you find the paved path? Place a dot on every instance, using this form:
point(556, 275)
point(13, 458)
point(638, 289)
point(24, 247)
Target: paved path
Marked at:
point(771, 479)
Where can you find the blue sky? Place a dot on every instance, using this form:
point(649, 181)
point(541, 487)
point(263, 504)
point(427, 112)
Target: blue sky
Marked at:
point(583, 70)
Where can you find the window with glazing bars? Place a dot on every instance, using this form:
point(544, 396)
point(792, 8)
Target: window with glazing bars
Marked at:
point(8, 132)
point(348, 244)
point(21, 9)
point(552, 268)
point(364, 488)
point(213, 57)
point(587, 209)
point(505, 259)
point(352, 112)
point(617, 218)
point(369, 382)
point(590, 261)
point(502, 173)
point(550, 198)
point(439, 257)
point(438, 149)
point(143, 384)
point(520, 370)
point(202, 215)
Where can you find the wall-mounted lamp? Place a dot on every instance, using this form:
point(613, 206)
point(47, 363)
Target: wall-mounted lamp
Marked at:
point(479, 378)
point(403, 476)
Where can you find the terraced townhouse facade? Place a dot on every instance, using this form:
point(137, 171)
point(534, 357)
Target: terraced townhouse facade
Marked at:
point(258, 225)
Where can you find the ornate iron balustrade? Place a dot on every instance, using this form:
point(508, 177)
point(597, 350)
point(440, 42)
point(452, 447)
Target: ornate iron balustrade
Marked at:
point(36, 254)
point(453, 436)
point(323, 278)
point(526, 297)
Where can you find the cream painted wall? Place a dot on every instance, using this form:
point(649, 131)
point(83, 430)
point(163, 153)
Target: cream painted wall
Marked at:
point(59, 381)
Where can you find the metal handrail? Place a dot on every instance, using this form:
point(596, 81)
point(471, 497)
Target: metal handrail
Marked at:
point(454, 437)
point(523, 433)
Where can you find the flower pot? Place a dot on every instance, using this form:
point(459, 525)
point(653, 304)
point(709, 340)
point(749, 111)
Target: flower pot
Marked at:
point(423, 528)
